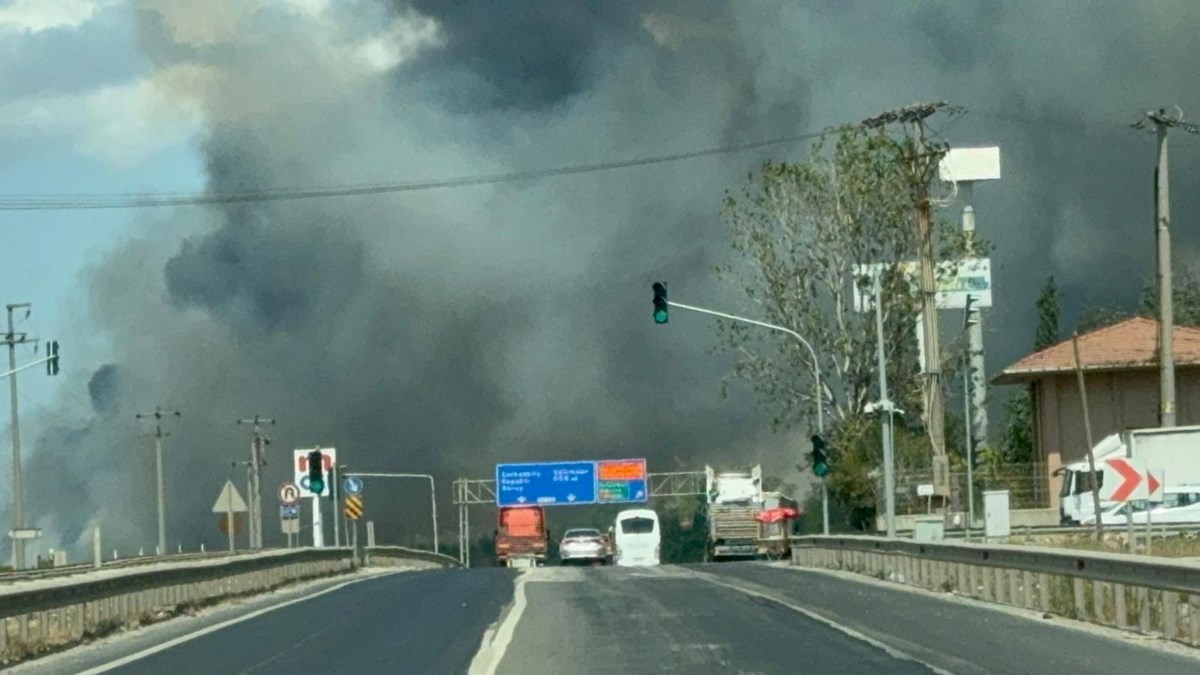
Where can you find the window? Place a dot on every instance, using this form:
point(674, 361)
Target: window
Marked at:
point(638, 525)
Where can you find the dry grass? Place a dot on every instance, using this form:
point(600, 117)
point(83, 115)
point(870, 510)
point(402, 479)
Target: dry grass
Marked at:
point(1173, 545)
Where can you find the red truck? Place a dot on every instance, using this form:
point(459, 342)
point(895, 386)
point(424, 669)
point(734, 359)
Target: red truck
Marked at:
point(521, 537)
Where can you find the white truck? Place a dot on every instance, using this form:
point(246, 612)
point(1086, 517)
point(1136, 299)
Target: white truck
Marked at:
point(1175, 450)
point(734, 500)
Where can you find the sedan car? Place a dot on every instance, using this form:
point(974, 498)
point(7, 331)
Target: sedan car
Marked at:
point(583, 545)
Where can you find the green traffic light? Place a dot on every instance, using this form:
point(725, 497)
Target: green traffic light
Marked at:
point(660, 302)
point(317, 486)
point(820, 469)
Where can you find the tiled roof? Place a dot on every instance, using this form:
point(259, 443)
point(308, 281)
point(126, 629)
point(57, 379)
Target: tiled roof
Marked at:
point(1128, 345)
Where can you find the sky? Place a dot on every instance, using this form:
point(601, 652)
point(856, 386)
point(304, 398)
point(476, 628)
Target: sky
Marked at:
point(446, 330)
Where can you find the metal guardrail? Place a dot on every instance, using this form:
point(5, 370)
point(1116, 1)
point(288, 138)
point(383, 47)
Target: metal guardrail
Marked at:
point(90, 590)
point(120, 563)
point(409, 554)
point(1124, 591)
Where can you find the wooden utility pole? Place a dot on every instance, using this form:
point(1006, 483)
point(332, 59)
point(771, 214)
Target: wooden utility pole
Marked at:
point(1161, 122)
point(923, 156)
point(1087, 432)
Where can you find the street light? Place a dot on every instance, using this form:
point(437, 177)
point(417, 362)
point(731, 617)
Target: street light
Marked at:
point(816, 366)
point(969, 321)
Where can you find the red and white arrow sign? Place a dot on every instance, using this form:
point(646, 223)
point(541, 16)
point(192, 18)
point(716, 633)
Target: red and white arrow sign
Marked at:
point(1155, 481)
point(1125, 480)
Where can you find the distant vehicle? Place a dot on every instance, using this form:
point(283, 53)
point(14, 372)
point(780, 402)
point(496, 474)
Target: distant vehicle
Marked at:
point(638, 538)
point(581, 544)
point(775, 522)
point(735, 499)
point(1171, 449)
point(1180, 505)
point(521, 537)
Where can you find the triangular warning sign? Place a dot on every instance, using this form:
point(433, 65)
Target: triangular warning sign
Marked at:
point(229, 500)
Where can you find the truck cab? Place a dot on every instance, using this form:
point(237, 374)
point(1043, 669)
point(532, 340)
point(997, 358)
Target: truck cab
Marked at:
point(735, 498)
point(521, 538)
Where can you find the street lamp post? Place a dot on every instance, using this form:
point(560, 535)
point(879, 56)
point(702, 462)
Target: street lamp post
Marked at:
point(819, 399)
point(968, 322)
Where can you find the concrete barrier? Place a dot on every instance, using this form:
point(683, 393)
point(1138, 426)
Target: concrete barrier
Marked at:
point(401, 556)
point(1138, 593)
point(45, 615)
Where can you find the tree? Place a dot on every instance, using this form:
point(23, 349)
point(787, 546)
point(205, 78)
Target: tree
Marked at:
point(1185, 299)
point(1095, 318)
point(804, 234)
point(1048, 315)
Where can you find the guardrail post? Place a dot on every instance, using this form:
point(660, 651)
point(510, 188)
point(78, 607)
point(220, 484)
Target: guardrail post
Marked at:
point(1014, 587)
point(1194, 619)
point(1027, 590)
point(1120, 614)
point(1043, 582)
point(1078, 595)
point(1170, 614)
point(1143, 596)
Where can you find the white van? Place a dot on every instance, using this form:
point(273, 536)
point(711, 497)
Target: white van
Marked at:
point(637, 538)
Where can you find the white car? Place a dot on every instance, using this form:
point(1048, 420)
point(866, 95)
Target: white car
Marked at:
point(583, 544)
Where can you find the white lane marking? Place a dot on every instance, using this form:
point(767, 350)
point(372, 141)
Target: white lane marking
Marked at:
point(149, 651)
point(496, 643)
point(891, 651)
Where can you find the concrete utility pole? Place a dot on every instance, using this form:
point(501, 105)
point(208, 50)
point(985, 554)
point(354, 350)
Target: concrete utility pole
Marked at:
point(12, 339)
point(258, 446)
point(158, 415)
point(886, 407)
point(924, 157)
point(1162, 230)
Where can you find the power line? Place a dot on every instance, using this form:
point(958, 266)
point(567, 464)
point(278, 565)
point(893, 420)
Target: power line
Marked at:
point(149, 200)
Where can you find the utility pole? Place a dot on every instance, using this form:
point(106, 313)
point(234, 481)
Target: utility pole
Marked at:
point(886, 407)
point(158, 415)
point(258, 446)
point(923, 157)
point(12, 339)
point(1162, 230)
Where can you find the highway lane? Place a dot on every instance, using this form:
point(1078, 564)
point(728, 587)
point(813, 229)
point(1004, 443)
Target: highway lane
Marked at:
point(413, 622)
point(667, 620)
point(960, 636)
point(752, 618)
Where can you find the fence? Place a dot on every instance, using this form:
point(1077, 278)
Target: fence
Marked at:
point(1028, 487)
point(1150, 595)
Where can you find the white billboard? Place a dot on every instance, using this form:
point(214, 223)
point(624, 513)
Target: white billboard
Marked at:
point(954, 282)
point(300, 469)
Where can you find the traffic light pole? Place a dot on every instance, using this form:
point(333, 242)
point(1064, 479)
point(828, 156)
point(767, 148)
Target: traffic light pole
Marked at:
point(819, 399)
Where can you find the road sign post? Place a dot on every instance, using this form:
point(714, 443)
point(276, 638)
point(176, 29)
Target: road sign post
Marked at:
point(229, 502)
point(300, 477)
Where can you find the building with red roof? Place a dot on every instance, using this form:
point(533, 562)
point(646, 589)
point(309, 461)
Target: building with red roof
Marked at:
point(1120, 367)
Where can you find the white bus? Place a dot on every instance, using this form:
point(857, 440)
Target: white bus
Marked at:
point(637, 538)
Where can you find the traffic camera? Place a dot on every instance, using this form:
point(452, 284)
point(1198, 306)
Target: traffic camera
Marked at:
point(819, 456)
point(660, 302)
point(316, 474)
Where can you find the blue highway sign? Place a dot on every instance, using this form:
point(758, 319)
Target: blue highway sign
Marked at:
point(352, 485)
point(545, 483)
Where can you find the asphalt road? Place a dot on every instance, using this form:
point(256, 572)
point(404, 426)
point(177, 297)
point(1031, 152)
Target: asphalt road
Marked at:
point(414, 622)
point(725, 618)
point(750, 618)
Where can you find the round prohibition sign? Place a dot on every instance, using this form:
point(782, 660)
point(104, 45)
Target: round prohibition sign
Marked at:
point(289, 494)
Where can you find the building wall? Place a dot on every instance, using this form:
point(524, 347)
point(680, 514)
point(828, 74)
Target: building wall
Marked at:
point(1117, 401)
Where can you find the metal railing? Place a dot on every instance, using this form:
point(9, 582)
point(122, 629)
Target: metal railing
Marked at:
point(1143, 593)
point(1028, 487)
point(375, 555)
point(83, 568)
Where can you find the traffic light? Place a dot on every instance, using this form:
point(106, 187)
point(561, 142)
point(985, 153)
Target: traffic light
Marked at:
point(820, 456)
point(660, 302)
point(316, 474)
point(52, 352)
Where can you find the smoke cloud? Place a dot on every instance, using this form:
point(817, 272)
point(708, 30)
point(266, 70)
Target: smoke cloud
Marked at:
point(444, 331)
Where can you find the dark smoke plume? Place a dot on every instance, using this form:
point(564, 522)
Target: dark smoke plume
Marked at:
point(447, 330)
